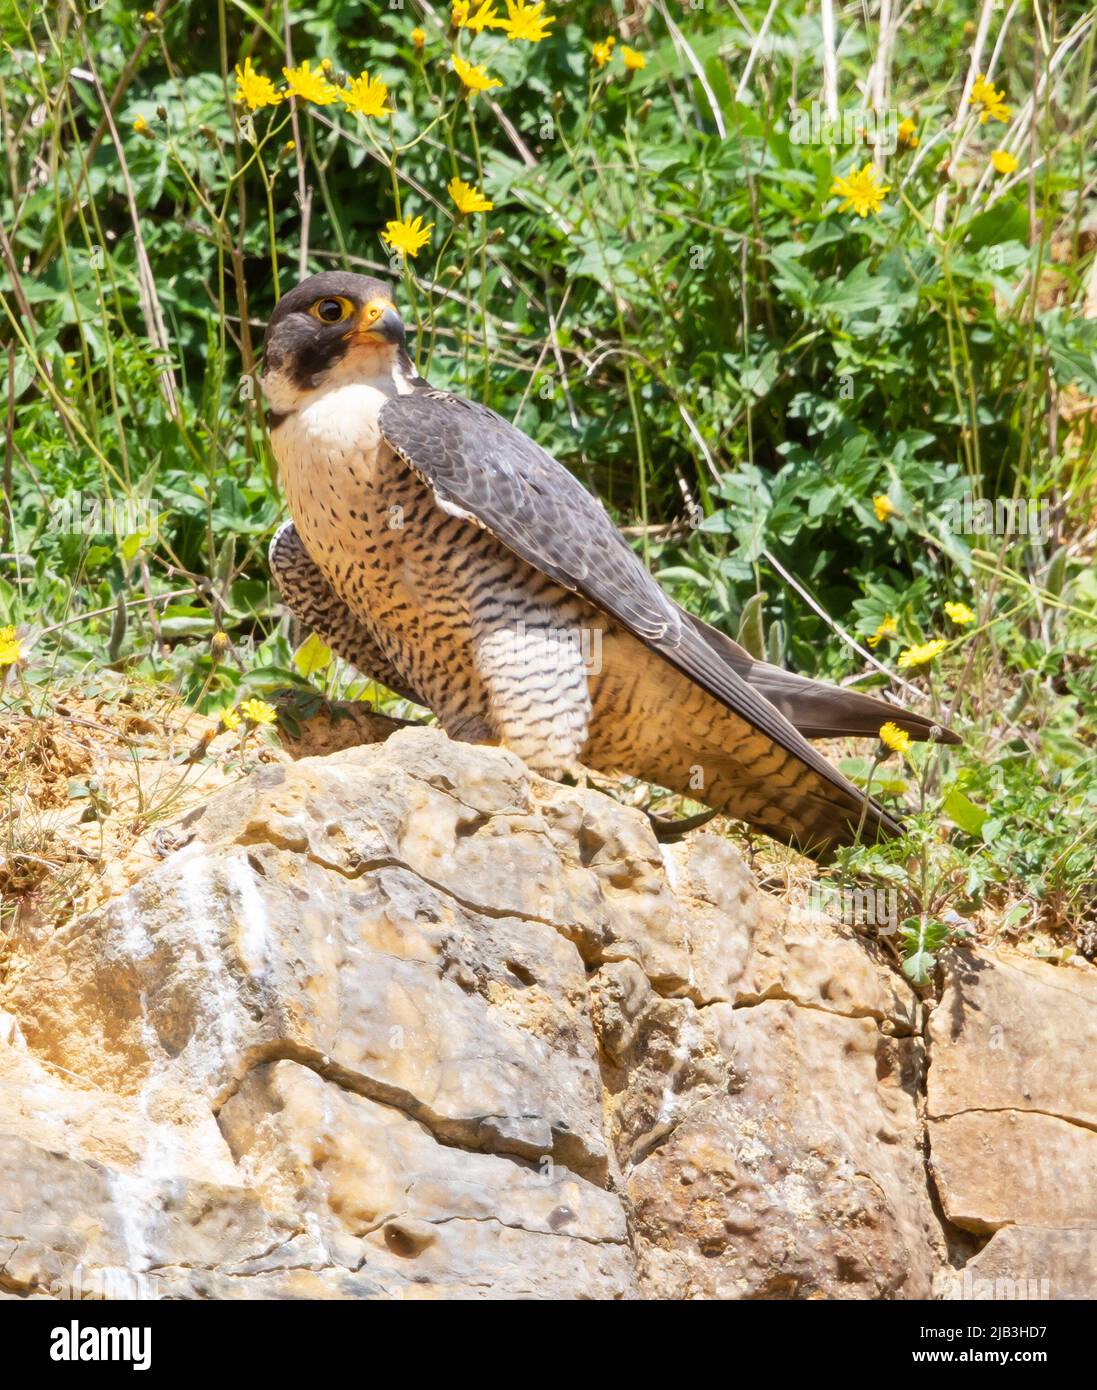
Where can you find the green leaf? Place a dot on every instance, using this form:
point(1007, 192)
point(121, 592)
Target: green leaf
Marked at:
point(858, 290)
point(1056, 571)
point(963, 812)
point(916, 967)
point(1006, 221)
point(132, 544)
point(751, 627)
point(186, 620)
point(312, 656)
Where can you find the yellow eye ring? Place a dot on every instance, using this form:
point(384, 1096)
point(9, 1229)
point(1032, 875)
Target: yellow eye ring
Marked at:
point(333, 308)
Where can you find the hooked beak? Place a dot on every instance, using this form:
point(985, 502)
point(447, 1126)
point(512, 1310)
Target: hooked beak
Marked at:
point(378, 320)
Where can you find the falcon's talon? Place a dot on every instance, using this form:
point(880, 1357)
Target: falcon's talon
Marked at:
point(668, 830)
point(444, 553)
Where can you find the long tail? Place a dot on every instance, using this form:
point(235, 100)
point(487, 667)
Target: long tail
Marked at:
point(816, 709)
point(651, 721)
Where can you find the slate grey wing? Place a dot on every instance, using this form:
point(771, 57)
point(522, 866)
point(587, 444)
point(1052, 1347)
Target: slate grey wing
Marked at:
point(816, 709)
point(481, 467)
point(315, 603)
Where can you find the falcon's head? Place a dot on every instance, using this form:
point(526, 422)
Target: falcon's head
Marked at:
point(331, 329)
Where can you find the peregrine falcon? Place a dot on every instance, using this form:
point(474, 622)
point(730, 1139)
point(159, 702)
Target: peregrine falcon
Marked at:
point(446, 555)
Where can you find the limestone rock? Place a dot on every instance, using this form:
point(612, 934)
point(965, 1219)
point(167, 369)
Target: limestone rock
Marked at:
point(1012, 1093)
point(1011, 1033)
point(405, 1021)
point(374, 1183)
point(1034, 1262)
point(805, 1181)
point(997, 1167)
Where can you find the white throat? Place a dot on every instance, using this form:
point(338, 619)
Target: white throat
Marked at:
point(382, 372)
point(330, 442)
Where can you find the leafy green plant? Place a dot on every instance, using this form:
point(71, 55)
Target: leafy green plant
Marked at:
point(783, 401)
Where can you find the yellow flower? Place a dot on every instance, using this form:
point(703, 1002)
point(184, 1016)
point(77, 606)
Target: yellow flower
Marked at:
point(310, 86)
point(860, 191)
point(11, 649)
point(475, 79)
point(219, 644)
point(1003, 161)
point(882, 506)
point(230, 719)
point(602, 52)
point(992, 102)
point(525, 21)
point(258, 712)
point(418, 38)
point(891, 736)
point(255, 90)
point(484, 17)
point(960, 614)
point(922, 655)
point(633, 61)
point(149, 17)
point(888, 628)
point(142, 127)
point(907, 133)
point(366, 95)
point(467, 198)
point(408, 237)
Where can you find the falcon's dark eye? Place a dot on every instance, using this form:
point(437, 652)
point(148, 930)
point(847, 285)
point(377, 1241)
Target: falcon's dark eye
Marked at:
point(332, 310)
